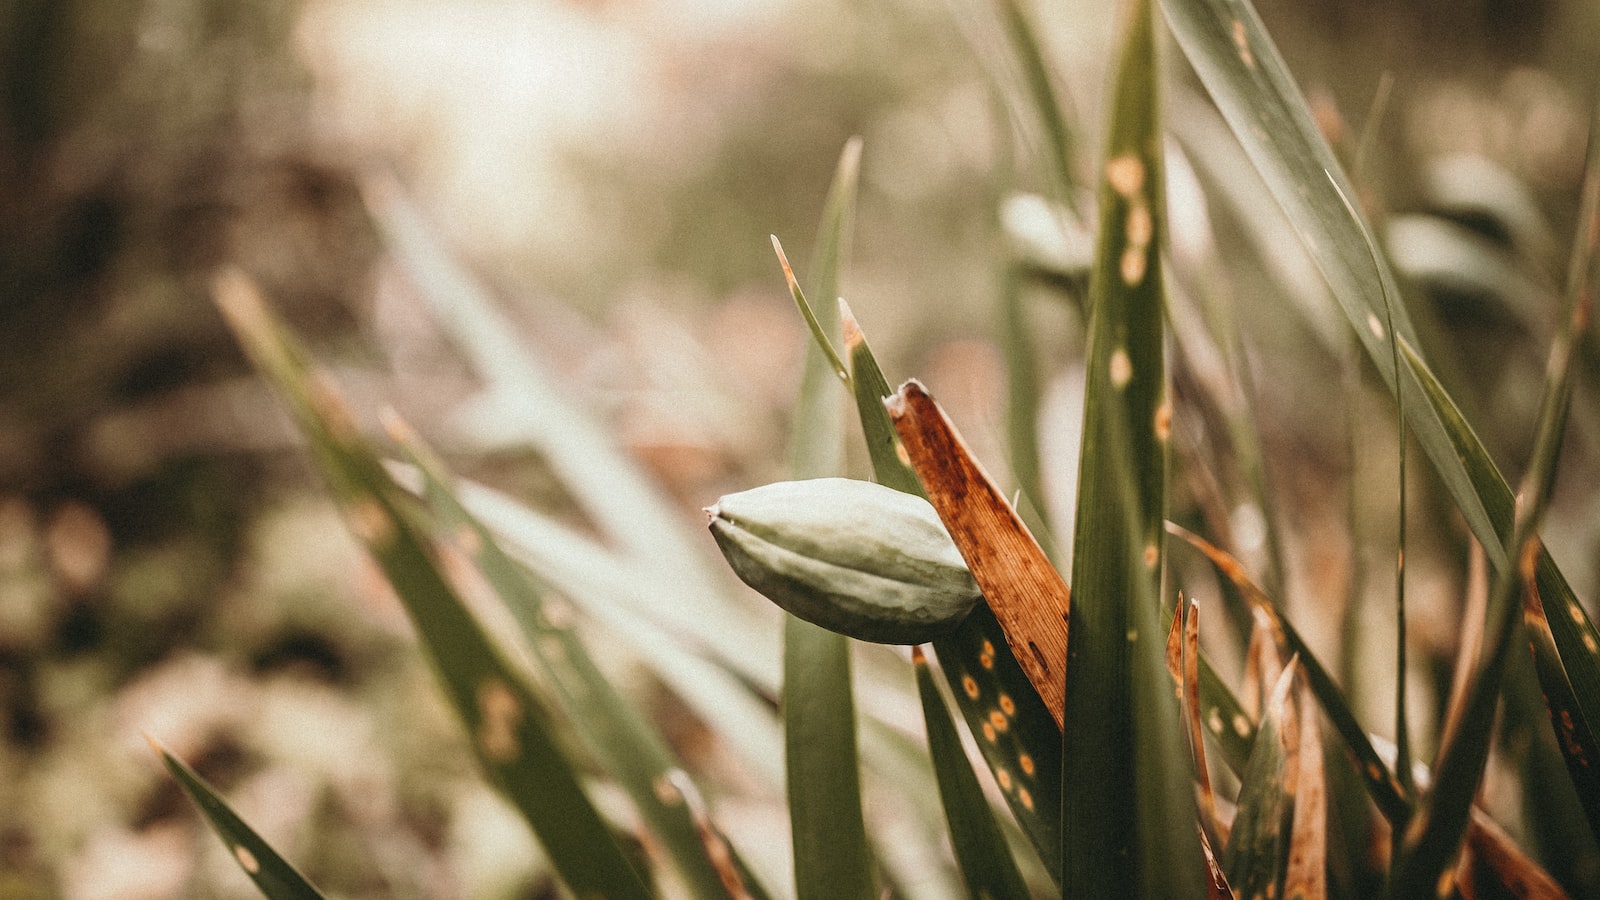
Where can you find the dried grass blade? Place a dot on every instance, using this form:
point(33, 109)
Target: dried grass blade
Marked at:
point(1381, 784)
point(1306, 876)
point(1190, 686)
point(1512, 868)
point(1023, 589)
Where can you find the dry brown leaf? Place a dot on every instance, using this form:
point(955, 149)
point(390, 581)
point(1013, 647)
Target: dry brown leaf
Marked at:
point(1306, 877)
point(1190, 697)
point(1026, 593)
point(1503, 859)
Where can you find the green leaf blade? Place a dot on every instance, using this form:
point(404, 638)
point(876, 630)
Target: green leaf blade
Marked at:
point(1124, 742)
point(626, 746)
point(509, 728)
point(832, 857)
point(988, 683)
point(980, 848)
point(272, 874)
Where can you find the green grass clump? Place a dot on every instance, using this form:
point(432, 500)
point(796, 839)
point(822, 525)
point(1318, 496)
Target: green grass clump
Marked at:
point(1112, 758)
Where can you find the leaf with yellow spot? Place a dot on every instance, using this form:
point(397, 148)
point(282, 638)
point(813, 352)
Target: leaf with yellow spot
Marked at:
point(509, 728)
point(980, 848)
point(1129, 819)
point(272, 874)
point(627, 748)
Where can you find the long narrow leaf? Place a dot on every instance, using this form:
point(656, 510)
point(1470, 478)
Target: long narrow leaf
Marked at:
point(1435, 836)
point(1125, 742)
point(1257, 854)
point(831, 855)
point(1058, 149)
point(525, 403)
point(623, 599)
point(273, 875)
point(1562, 669)
point(980, 848)
point(509, 727)
point(627, 747)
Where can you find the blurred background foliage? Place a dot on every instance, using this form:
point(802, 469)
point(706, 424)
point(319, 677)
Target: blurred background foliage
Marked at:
point(169, 565)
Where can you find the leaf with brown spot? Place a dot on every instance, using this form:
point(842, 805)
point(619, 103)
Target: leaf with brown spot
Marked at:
point(1023, 589)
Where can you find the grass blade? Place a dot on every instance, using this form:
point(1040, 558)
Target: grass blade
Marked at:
point(1306, 875)
point(1058, 149)
point(510, 729)
point(1023, 402)
point(1257, 853)
point(628, 749)
point(1435, 837)
point(1564, 666)
point(831, 856)
point(1126, 742)
point(1184, 645)
point(1494, 849)
point(525, 404)
point(626, 600)
point(980, 848)
point(1242, 70)
point(272, 874)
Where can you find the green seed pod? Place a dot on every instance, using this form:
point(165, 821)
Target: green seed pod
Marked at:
point(855, 557)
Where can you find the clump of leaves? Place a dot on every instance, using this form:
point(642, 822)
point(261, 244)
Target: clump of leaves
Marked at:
point(1128, 765)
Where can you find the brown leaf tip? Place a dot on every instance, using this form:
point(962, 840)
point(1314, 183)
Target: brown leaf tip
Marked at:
point(783, 260)
point(897, 403)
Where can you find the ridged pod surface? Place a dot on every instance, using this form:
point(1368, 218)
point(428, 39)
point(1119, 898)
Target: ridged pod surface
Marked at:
point(851, 556)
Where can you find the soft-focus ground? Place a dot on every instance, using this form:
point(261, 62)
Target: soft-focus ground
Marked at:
point(168, 565)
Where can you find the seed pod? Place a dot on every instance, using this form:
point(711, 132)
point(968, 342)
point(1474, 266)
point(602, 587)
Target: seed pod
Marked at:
point(855, 557)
